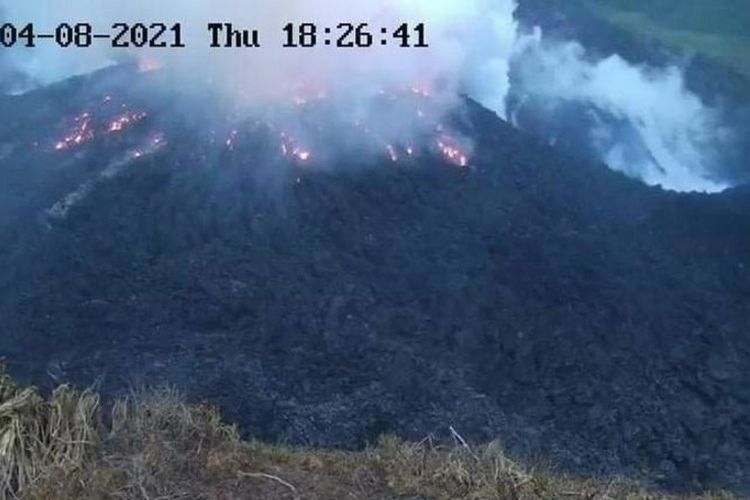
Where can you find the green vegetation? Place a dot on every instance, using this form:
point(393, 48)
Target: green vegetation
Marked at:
point(718, 29)
point(154, 445)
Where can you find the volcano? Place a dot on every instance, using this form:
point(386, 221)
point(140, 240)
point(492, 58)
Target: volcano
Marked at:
point(472, 276)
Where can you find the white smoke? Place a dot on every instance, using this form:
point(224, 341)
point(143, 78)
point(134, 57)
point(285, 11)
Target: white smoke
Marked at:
point(676, 138)
point(673, 138)
point(274, 71)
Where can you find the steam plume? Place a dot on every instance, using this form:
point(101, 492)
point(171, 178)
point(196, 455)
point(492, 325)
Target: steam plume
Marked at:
point(640, 120)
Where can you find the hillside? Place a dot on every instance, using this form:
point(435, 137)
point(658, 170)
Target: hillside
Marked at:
point(552, 303)
point(729, 17)
point(157, 446)
point(718, 30)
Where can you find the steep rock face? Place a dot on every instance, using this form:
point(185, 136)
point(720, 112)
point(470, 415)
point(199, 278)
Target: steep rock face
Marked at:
point(548, 301)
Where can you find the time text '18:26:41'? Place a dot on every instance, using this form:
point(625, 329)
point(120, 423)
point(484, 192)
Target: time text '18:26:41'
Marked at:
point(351, 35)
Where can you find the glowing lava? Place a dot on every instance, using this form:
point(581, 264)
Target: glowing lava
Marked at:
point(392, 153)
point(81, 133)
point(149, 64)
point(290, 149)
point(123, 121)
point(231, 140)
point(452, 152)
point(301, 154)
point(154, 144)
point(420, 91)
point(88, 125)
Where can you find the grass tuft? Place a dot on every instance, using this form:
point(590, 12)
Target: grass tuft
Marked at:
point(38, 436)
point(153, 445)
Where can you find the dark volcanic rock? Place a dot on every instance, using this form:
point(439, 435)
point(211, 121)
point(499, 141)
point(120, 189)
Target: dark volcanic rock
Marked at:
point(552, 303)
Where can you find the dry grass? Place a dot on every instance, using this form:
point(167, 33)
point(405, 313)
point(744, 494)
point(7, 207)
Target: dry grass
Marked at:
point(38, 435)
point(154, 446)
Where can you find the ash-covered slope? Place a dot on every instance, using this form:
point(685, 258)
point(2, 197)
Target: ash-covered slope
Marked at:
point(552, 303)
